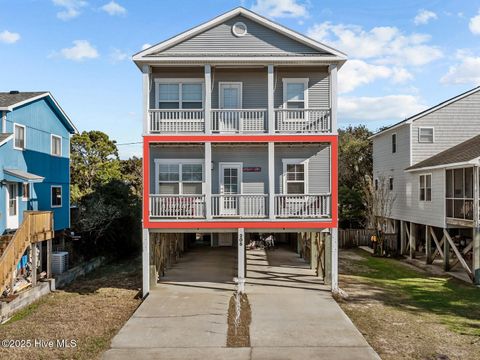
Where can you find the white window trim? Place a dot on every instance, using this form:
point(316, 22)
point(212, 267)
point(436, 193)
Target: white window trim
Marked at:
point(24, 136)
point(178, 162)
point(23, 192)
point(51, 145)
point(286, 162)
point(220, 93)
point(286, 81)
point(433, 134)
point(396, 143)
point(237, 34)
point(240, 174)
point(431, 187)
point(61, 196)
point(179, 81)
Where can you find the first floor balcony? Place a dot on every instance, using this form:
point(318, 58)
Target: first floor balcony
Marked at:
point(240, 206)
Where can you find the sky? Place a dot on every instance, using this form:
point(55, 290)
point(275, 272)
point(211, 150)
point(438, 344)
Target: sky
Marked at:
point(404, 56)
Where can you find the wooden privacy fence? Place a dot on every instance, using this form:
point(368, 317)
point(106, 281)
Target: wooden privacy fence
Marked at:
point(349, 238)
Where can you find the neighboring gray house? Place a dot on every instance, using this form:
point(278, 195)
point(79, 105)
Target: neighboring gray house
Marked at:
point(239, 136)
point(431, 164)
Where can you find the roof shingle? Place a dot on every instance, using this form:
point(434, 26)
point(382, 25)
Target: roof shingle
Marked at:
point(7, 99)
point(463, 152)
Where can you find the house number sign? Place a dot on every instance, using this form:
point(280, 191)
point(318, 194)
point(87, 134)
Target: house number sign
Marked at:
point(252, 169)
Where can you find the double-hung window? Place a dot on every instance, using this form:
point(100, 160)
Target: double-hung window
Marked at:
point(186, 94)
point(425, 135)
point(56, 145)
point(295, 93)
point(180, 178)
point(19, 137)
point(56, 196)
point(425, 187)
point(26, 191)
point(295, 176)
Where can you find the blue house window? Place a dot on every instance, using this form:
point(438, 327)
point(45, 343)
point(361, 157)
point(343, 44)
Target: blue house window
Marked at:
point(56, 145)
point(19, 133)
point(56, 196)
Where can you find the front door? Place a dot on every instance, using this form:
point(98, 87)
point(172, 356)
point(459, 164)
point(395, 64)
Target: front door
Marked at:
point(230, 99)
point(230, 181)
point(12, 206)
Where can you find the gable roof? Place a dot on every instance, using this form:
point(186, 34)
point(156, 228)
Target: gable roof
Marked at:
point(459, 154)
point(428, 111)
point(318, 49)
point(11, 100)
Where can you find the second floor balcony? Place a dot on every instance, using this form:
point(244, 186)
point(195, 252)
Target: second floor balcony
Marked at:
point(239, 121)
point(240, 100)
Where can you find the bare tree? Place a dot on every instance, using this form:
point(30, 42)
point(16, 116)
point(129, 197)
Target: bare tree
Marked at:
point(379, 199)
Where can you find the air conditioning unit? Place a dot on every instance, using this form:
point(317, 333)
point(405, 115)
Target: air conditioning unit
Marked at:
point(59, 262)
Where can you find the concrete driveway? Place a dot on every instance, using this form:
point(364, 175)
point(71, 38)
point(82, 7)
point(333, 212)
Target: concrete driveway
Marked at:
point(293, 314)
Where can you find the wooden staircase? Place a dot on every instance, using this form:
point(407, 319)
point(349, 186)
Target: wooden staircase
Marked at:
point(36, 226)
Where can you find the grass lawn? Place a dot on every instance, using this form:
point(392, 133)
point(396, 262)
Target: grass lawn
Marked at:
point(405, 313)
point(89, 311)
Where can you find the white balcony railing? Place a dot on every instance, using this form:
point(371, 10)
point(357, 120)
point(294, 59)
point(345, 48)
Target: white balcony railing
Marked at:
point(240, 205)
point(302, 121)
point(177, 121)
point(177, 206)
point(239, 120)
point(302, 206)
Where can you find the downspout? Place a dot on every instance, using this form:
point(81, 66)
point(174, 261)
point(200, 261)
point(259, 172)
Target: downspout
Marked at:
point(4, 121)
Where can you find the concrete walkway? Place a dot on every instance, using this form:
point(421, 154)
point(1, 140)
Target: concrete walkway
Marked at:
point(293, 314)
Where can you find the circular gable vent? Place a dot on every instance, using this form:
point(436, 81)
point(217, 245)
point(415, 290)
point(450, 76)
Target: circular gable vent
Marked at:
point(239, 29)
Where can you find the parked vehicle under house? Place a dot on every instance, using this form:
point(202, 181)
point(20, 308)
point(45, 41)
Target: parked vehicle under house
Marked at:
point(239, 134)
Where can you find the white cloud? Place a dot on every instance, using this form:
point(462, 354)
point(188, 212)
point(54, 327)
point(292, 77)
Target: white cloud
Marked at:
point(146, 46)
point(8, 37)
point(117, 55)
point(474, 24)
point(384, 45)
point(424, 16)
point(71, 8)
point(390, 107)
point(357, 72)
point(281, 8)
point(113, 8)
point(81, 50)
point(467, 71)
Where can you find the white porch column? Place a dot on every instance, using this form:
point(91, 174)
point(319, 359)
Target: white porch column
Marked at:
point(146, 71)
point(4, 121)
point(476, 255)
point(208, 180)
point(208, 99)
point(271, 114)
point(332, 69)
point(241, 260)
point(334, 259)
point(145, 262)
point(271, 180)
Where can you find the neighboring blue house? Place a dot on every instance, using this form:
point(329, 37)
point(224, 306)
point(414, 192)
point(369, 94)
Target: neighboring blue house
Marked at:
point(34, 158)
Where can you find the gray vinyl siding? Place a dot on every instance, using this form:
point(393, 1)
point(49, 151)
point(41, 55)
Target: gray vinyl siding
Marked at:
point(172, 152)
point(407, 206)
point(220, 40)
point(318, 166)
point(251, 156)
point(453, 124)
point(254, 156)
point(173, 73)
point(318, 85)
point(254, 86)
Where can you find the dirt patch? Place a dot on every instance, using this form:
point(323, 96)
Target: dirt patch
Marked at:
point(90, 311)
point(239, 328)
point(386, 304)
